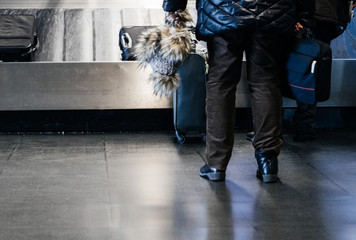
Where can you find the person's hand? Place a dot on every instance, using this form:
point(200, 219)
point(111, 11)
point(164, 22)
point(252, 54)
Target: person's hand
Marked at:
point(299, 28)
point(172, 19)
point(172, 16)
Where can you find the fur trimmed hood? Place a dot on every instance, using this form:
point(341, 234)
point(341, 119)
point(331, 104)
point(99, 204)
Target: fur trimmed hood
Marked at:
point(164, 48)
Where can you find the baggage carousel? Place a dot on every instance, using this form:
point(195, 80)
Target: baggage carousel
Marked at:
point(78, 68)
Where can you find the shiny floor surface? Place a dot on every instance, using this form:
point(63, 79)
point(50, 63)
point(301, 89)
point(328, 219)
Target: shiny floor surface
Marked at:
point(146, 186)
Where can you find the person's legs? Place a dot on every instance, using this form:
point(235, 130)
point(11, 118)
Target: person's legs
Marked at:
point(304, 122)
point(265, 58)
point(225, 59)
point(304, 117)
point(264, 65)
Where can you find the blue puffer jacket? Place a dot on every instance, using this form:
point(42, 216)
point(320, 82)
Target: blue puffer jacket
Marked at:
point(220, 16)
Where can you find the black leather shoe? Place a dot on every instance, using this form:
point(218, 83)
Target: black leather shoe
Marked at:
point(250, 136)
point(267, 166)
point(212, 173)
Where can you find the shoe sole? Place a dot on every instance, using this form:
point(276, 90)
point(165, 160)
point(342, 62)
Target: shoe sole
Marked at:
point(214, 176)
point(269, 178)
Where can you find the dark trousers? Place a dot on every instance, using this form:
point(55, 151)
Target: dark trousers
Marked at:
point(264, 59)
point(304, 117)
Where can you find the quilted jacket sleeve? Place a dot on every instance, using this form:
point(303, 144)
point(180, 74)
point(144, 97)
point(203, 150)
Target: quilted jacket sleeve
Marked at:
point(174, 5)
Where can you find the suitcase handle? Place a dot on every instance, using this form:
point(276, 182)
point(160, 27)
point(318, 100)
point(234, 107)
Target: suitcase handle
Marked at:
point(36, 43)
point(126, 40)
point(313, 65)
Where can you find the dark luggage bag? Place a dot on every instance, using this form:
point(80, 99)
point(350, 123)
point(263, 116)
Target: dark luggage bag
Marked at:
point(308, 72)
point(189, 98)
point(18, 40)
point(128, 38)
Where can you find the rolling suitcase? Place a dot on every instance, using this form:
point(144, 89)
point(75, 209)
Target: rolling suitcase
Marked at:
point(128, 39)
point(189, 98)
point(18, 40)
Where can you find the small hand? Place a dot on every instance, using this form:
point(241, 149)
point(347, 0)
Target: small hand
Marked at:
point(299, 28)
point(172, 16)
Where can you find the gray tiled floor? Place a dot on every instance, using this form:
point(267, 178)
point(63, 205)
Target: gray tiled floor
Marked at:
point(145, 186)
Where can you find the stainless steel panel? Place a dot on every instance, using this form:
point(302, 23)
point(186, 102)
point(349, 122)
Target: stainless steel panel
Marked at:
point(343, 84)
point(121, 85)
point(73, 85)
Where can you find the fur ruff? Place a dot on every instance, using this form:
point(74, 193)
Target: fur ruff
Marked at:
point(184, 20)
point(175, 44)
point(172, 44)
point(164, 84)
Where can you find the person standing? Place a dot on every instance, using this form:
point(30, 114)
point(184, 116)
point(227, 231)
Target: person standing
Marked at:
point(260, 29)
point(329, 20)
point(326, 19)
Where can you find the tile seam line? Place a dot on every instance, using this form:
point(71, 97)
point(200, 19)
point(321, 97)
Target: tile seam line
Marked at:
point(332, 181)
point(11, 154)
point(13, 151)
point(108, 184)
